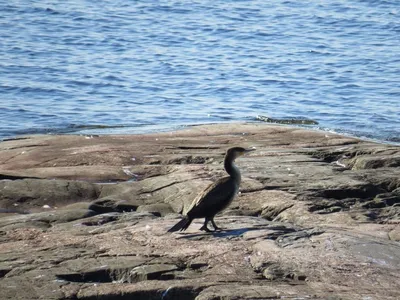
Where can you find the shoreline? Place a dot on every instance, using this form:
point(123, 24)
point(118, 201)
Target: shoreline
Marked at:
point(229, 128)
point(91, 130)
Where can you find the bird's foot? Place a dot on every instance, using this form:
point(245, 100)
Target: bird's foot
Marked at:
point(205, 228)
point(216, 228)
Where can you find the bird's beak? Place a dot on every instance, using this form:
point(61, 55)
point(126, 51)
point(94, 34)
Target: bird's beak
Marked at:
point(249, 150)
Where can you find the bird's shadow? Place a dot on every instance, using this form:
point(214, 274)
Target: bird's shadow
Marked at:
point(276, 230)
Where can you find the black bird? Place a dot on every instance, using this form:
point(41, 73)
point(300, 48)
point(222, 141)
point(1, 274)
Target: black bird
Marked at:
point(217, 196)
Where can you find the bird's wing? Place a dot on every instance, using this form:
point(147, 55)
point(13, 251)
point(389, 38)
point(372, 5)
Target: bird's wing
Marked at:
point(215, 193)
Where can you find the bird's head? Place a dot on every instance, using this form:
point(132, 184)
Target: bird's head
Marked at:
point(236, 152)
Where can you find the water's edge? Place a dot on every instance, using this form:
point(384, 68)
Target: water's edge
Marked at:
point(102, 130)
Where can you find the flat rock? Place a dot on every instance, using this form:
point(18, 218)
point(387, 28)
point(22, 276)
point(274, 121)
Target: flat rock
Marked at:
point(87, 217)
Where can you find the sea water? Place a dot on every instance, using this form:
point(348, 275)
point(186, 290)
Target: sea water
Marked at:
point(98, 67)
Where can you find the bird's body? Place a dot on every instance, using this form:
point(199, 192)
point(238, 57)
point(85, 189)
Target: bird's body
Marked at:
point(217, 196)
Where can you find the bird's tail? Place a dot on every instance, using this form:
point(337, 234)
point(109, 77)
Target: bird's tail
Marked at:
point(181, 225)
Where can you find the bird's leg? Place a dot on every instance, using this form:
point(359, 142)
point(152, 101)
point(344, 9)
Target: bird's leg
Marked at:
point(204, 227)
point(215, 225)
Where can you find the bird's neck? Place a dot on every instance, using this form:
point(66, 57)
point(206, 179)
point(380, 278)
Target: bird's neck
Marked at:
point(232, 169)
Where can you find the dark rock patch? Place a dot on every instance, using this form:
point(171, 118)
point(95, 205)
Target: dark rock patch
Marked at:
point(28, 193)
point(361, 192)
point(4, 271)
point(106, 205)
point(289, 239)
point(189, 159)
point(122, 274)
point(15, 177)
point(375, 162)
point(169, 293)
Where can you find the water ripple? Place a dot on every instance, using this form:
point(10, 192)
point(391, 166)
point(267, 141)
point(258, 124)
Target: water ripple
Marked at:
point(122, 67)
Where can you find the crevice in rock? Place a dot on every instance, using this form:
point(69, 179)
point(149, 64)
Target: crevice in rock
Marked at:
point(375, 162)
point(270, 213)
point(324, 206)
point(381, 202)
point(3, 272)
point(24, 199)
point(266, 188)
point(185, 293)
point(15, 139)
point(91, 276)
point(388, 184)
point(28, 146)
point(15, 177)
point(361, 192)
point(161, 187)
point(327, 156)
point(167, 185)
point(194, 147)
point(171, 293)
point(189, 159)
point(197, 266)
point(279, 231)
point(101, 220)
point(123, 275)
point(290, 238)
point(374, 197)
point(109, 205)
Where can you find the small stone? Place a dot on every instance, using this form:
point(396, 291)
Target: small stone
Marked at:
point(394, 235)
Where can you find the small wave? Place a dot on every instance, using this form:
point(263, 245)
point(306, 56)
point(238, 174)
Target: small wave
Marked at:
point(71, 128)
point(387, 138)
point(288, 121)
point(90, 63)
point(94, 126)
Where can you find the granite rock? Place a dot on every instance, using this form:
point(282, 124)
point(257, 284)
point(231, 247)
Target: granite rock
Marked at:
point(317, 217)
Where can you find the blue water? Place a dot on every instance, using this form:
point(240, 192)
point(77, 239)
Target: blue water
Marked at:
point(140, 66)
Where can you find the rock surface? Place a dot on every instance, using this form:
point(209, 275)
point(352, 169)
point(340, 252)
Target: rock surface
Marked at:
point(318, 216)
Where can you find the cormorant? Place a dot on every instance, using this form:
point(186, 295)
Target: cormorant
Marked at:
point(217, 196)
